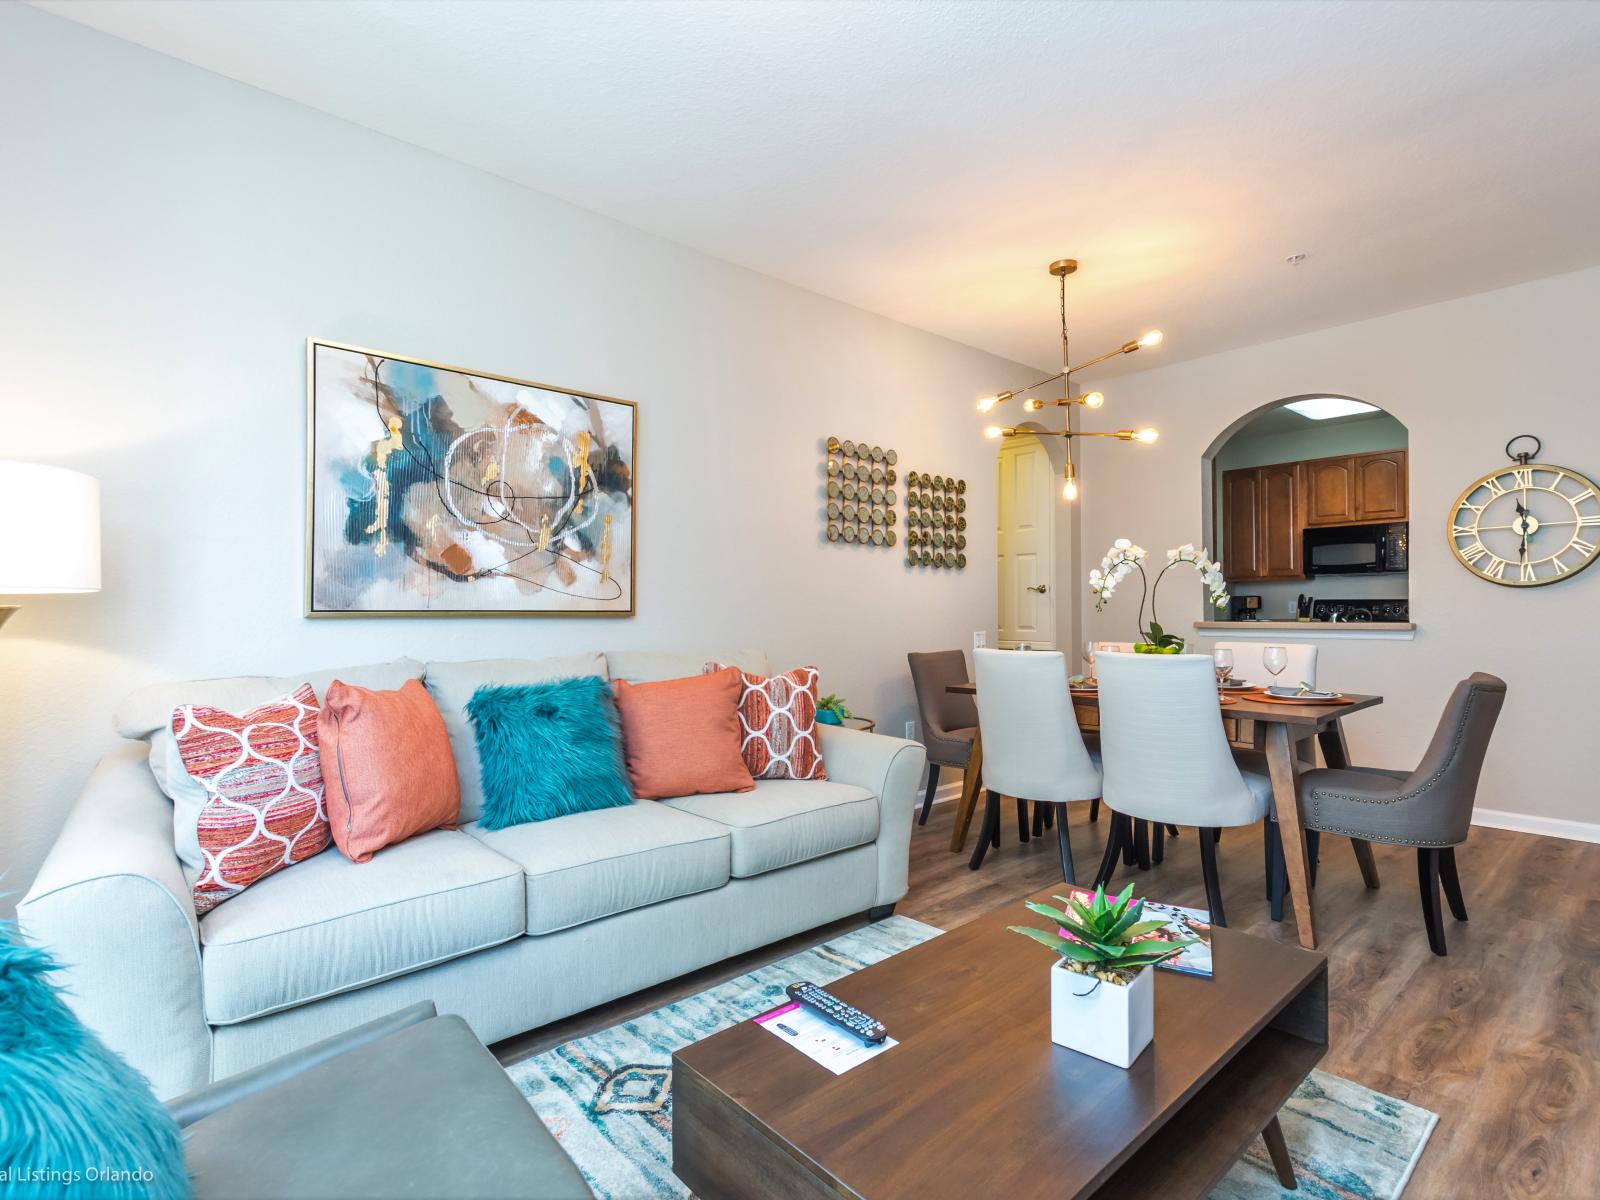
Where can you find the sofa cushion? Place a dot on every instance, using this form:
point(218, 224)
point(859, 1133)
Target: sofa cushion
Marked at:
point(652, 666)
point(453, 684)
point(147, 712)
point(786, 821)
point(257, 802)
point(331, 925)
point(548, 750)
point(585, 866)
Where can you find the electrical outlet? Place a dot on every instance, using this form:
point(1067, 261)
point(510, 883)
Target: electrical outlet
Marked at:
point(980, 639)
point(911, 731)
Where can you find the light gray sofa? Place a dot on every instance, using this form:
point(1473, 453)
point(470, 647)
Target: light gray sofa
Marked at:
point(509, 930)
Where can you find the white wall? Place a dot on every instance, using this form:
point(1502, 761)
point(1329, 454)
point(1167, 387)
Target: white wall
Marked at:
point(170, 238)
point(1463, 376)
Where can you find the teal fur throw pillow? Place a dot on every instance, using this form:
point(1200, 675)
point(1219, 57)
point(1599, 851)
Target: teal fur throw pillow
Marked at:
point(75, 1119)
point(548, 749)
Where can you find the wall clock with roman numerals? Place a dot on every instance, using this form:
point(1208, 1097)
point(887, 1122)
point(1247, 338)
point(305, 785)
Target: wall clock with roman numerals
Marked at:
point(1528, 524)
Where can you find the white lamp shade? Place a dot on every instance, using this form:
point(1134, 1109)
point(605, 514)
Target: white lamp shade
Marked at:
point(49, 530)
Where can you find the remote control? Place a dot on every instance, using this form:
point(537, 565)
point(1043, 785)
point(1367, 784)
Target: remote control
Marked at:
point(830, 1008)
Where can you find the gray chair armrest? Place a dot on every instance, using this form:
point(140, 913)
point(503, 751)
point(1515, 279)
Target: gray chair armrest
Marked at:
point(199, 1104)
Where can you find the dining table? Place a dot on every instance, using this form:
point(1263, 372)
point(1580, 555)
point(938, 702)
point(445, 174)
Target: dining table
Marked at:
point(1280, 730)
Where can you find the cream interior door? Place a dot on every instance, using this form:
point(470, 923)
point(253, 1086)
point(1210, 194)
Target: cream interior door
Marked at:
point(1026, 540)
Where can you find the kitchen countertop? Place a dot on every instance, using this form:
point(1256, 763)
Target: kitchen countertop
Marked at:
point(1386, 629)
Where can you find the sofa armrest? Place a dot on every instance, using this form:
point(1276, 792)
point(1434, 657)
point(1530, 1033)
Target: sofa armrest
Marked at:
point(112, 905)
point(891, 768)
point(198, 1105)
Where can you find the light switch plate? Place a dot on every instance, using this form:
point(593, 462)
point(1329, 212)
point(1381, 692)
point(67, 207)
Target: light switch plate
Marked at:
point(911, 731)
point(980, 639)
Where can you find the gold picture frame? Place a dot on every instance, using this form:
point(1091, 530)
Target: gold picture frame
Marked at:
point(437, 485)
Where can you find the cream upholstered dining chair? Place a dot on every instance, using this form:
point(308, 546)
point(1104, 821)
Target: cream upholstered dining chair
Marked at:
point(1247, 665)
point(1165, 757)
point(1031, 745)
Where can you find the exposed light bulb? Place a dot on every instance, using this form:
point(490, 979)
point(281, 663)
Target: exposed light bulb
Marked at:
point(992, 431)
point(1032, 405)
point(1153, 338)
point(987, 403)
point(1093, 400)
point(1147, 435)
point(1069, 490)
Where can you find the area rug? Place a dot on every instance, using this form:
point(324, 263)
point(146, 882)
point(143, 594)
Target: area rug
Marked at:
point(607, 1097)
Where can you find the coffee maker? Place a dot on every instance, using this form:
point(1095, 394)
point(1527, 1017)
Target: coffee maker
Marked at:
point(1246, 608)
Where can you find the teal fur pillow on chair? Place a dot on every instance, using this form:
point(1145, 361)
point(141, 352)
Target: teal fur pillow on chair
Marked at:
point(75, 1119)
point(547, 750)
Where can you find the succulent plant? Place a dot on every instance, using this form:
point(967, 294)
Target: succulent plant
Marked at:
point(1104, 938)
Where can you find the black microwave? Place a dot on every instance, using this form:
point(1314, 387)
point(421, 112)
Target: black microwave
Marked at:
point(1357, 550)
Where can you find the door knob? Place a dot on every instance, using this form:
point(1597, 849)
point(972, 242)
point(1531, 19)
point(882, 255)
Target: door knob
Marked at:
point(1038, 587)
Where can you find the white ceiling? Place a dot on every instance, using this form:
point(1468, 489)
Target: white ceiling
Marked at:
point(926, 160)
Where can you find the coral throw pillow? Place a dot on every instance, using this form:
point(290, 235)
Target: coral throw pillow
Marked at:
point(548, 750)
point(263, 783)
point(387, 766)
point(681, 737)
point(778, 722)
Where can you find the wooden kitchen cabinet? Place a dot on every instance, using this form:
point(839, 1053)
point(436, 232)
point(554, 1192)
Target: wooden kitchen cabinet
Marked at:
point(1261, 523)
point(1381, 486)
point(1266, 510)
point(1353, 489)
point(1279, 526)
point(1330, 490)
point(1241, 524)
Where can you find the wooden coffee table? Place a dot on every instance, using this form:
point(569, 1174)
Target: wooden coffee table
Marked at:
point(977, 1101)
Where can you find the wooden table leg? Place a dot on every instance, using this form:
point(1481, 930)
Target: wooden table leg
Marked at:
point(1281, 764)
point(1336, 753)
point(1278, 1151)
point(970, 780)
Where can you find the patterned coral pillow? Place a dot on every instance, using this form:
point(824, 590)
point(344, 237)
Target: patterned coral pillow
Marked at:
point(262, 779)
point(778, 721)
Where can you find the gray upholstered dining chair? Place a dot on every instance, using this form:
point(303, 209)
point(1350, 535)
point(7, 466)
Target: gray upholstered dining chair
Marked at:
point(1429, 807)
point(948, 721)
point(1032, 748)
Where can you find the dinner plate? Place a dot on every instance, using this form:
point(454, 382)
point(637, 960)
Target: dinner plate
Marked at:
point(1323, 698)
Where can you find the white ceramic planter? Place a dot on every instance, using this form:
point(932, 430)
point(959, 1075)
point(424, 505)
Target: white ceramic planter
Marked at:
point(1110, 1022)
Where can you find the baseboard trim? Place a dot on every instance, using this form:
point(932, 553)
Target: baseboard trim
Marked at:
point(1572, 831)
point(1490, 818)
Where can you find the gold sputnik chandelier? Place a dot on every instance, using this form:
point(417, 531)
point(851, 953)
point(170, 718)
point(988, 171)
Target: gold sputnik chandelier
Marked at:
point(1061, 268)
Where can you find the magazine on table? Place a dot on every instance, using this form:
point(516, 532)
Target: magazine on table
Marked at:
point(1181, 923)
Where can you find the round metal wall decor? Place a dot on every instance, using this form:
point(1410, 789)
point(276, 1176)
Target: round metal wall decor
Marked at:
point(860, 493)
point(935, 529)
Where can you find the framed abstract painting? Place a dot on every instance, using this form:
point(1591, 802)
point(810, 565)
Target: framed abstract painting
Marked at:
point(438, 491)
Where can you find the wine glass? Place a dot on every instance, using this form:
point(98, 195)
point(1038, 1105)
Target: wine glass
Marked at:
point(1222, 656)
point(1274, 659)
point(1088, 657)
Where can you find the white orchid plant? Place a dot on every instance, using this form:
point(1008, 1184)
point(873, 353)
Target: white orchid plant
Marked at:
point(1124, 558)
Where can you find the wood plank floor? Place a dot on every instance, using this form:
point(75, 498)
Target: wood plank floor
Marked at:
point(1501, 1039)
